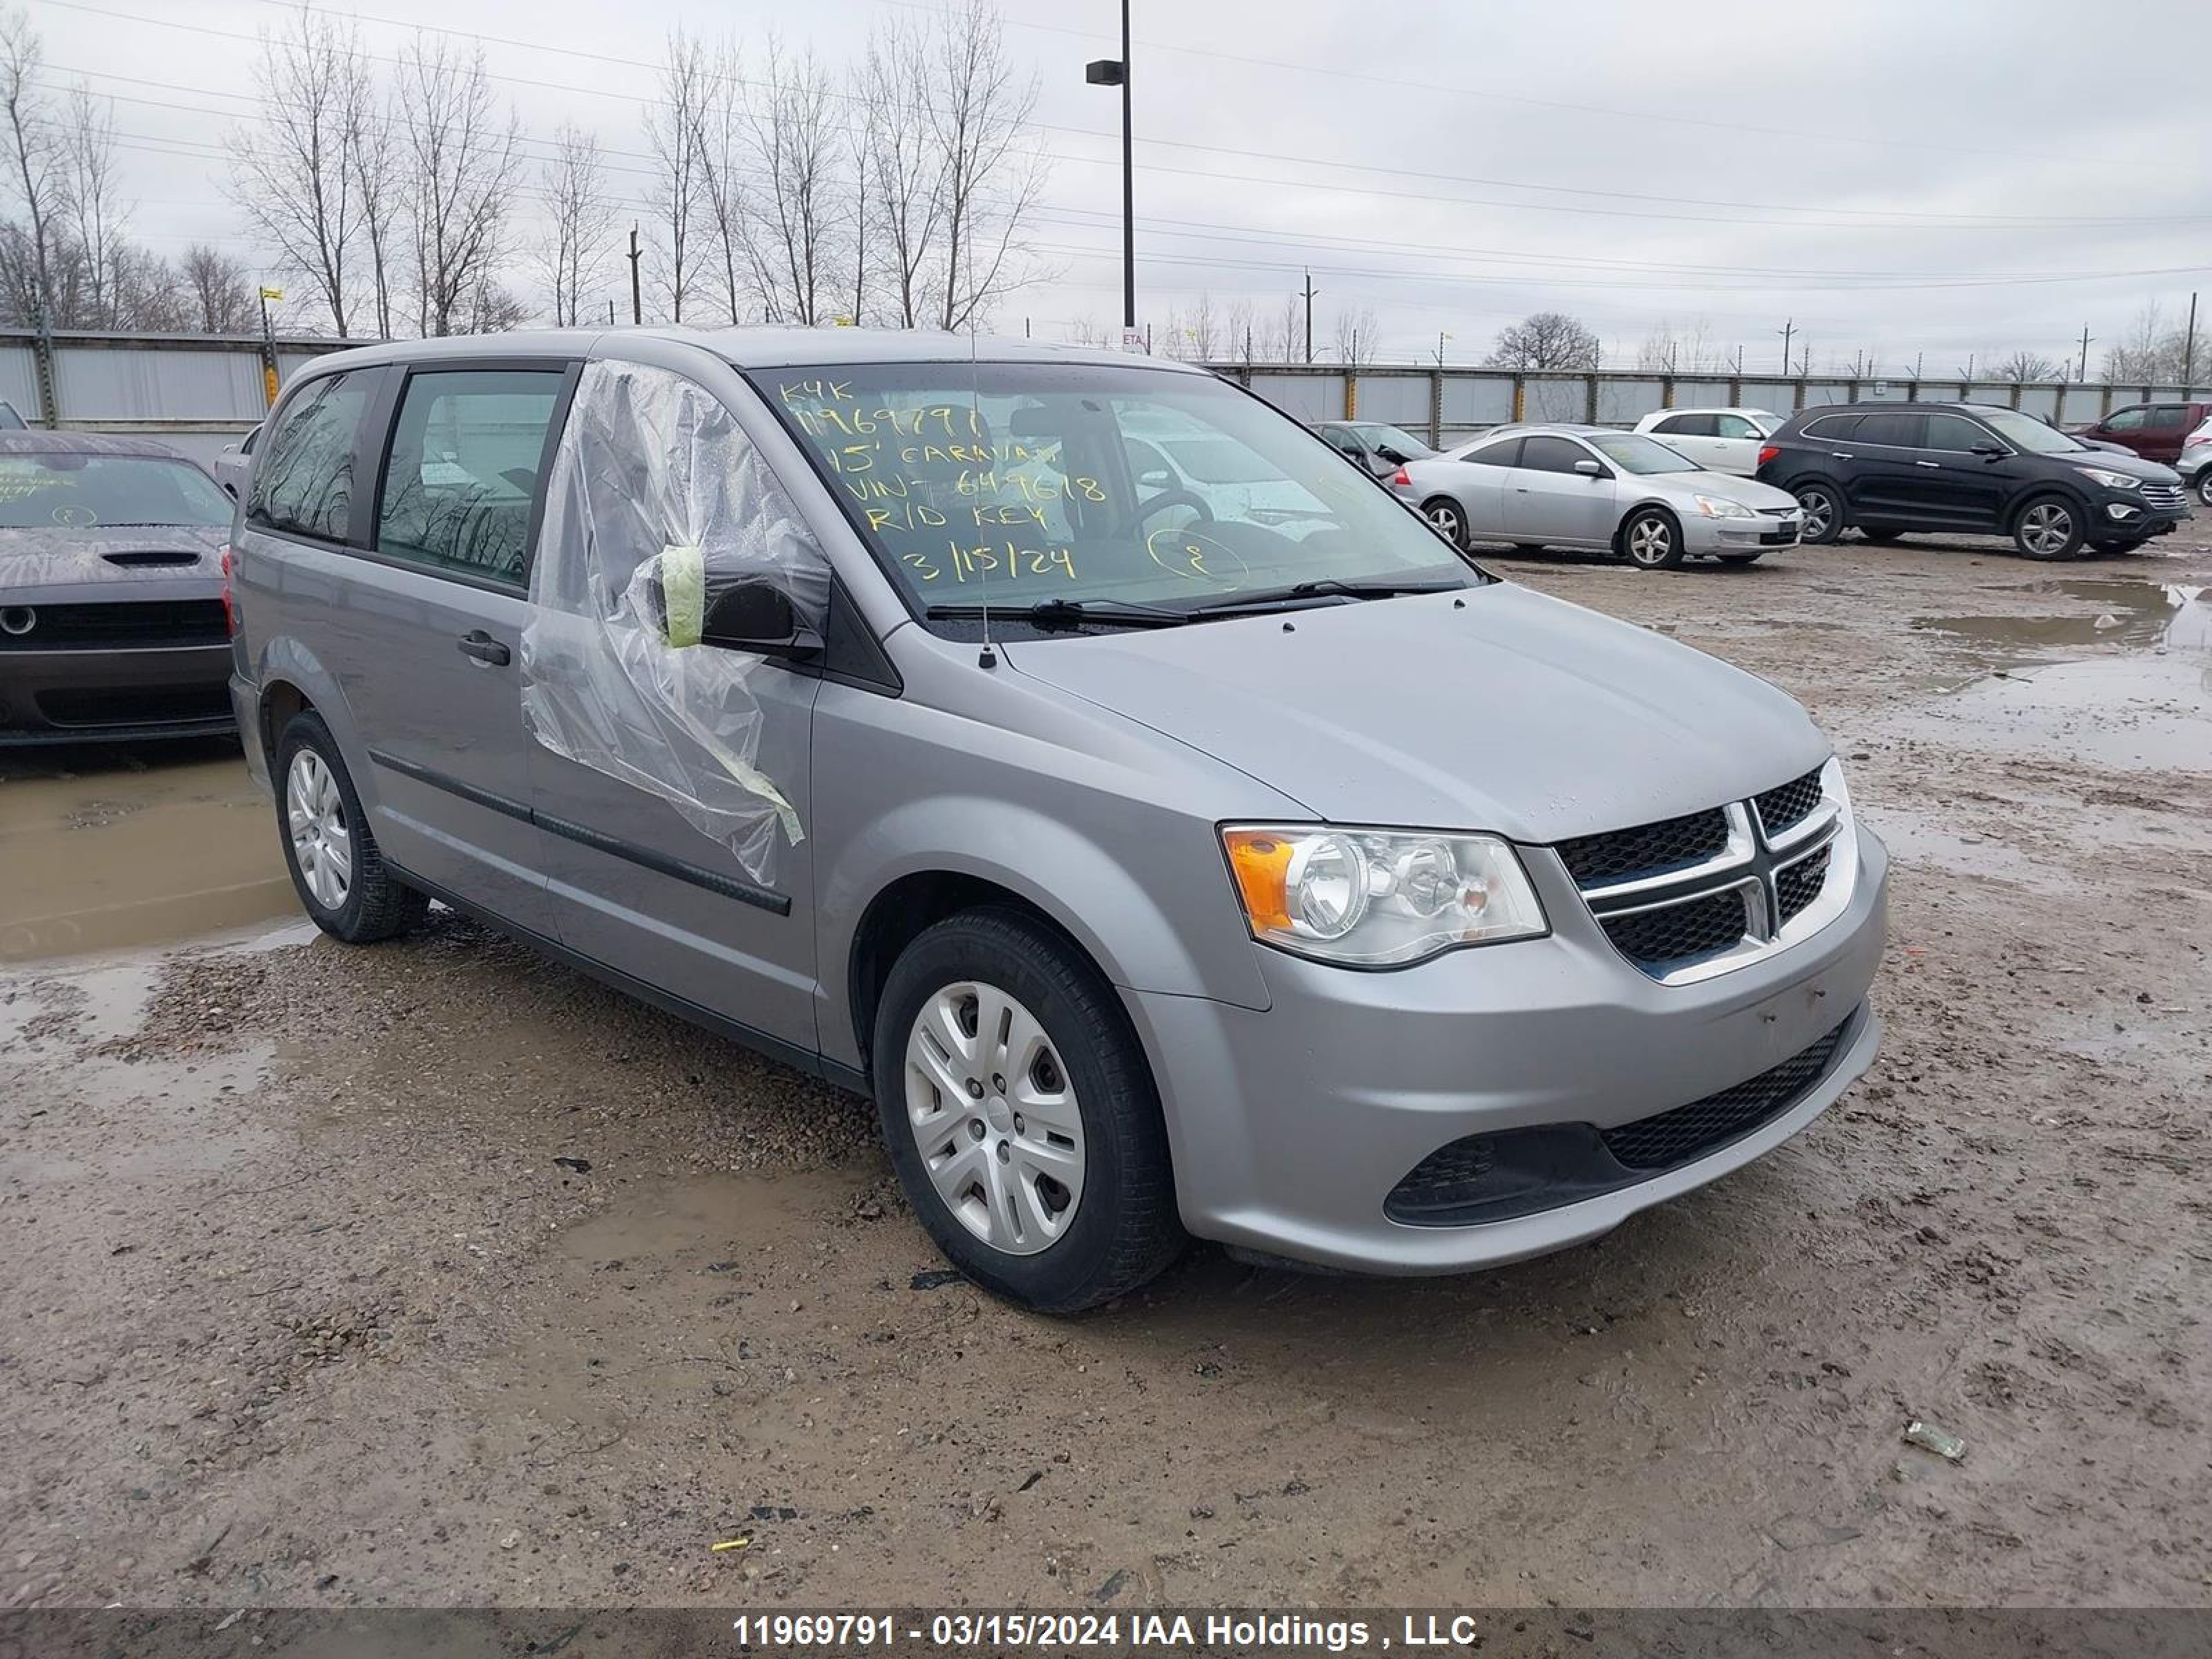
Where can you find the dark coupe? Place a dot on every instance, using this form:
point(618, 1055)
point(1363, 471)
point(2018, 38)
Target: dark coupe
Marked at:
point(112, 622)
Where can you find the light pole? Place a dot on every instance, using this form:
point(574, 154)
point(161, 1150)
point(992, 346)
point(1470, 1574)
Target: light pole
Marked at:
point(1114, 72)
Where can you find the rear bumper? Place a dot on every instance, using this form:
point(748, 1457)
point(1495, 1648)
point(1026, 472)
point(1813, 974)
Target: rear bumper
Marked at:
point(116, 694)
point(1291, 1126)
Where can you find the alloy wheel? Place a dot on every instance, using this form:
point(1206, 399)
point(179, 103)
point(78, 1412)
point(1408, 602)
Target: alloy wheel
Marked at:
point(996, 1117)
point(1446, 522)
point(2204, 486)
point(2045, 528)
point(1650, 540)
point(314, 812)
point(1820, 512)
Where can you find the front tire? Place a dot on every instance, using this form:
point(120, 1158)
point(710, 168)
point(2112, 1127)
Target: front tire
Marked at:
point(2049, 527)
point(343, 884)
point(1652, 540)
point(1822, 504)
point(1446, 519)
point(1021, 1115)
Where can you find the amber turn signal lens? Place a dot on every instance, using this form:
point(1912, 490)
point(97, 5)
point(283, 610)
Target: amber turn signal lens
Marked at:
point(1261, 863)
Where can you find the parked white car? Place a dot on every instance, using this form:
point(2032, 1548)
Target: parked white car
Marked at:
point(2195, 465)
point(1725, 440)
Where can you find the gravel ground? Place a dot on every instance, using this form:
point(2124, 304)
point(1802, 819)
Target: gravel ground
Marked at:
point(432, 1274)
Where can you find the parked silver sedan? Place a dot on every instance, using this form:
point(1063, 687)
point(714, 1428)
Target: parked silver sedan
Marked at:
point(1599, 490)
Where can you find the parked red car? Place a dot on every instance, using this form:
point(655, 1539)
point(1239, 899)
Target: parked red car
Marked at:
point(2153, 431)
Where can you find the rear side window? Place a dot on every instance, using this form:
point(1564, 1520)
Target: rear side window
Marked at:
point(2169, 417)
point(463, 477)
point(1689, 426)
point(1898, 431)
point(1834, 429)
point(304, 482)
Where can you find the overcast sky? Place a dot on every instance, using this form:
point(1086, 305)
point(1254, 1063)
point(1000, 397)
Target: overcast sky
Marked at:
point(1893, 176)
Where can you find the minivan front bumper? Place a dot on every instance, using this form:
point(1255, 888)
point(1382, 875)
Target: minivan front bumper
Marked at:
point(1291, 1126)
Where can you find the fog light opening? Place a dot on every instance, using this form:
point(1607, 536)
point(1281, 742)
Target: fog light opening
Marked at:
point(18, 619)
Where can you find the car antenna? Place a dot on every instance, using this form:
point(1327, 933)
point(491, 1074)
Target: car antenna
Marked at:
point(986, 658)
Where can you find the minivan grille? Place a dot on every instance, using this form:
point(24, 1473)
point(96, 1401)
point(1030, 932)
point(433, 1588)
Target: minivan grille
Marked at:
point(1652, 1145)
point(1780, 808)
point(1686, 897)
point(1648, 849)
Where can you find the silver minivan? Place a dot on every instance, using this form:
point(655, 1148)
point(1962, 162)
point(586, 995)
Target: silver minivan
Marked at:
point(1167, 830)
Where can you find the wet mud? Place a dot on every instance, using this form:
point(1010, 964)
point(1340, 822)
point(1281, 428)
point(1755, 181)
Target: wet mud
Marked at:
point(430, 1273)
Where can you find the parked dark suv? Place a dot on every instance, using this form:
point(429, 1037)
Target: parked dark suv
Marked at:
point(1886, 468)
point(2153, 431)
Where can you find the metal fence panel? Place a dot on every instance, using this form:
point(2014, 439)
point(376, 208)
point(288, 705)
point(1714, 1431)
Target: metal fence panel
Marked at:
point(1624, 402)
point(99, 384)
point(1694, 394)
point(1399, 399)
point(1474, 401)
point(18, 380)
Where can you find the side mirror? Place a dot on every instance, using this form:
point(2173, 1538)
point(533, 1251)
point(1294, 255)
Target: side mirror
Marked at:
point(690, 607)
point(1391, 455)
point(1991, 452)
point(1592, 468)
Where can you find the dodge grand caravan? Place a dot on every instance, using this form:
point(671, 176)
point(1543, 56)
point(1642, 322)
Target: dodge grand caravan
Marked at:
point(1164, 858)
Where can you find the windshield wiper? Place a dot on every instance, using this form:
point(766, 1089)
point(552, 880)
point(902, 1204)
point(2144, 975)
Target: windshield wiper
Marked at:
point(1323, 587)
point(1067, 613)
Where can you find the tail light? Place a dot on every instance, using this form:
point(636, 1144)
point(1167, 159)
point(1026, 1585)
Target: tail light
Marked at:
point(229, 595)
point(2195, 439)
point(1402, 478)
point(1768, 452)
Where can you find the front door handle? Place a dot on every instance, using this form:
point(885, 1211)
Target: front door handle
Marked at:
point(1928, 463)
point(1838, 455)
point(479, 645)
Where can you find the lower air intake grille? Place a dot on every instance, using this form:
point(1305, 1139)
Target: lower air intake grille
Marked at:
point(1654, 1144)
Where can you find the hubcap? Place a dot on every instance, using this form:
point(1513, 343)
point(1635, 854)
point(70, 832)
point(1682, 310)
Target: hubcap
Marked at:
point(315, 813)
point(1818, 511)
point(2047, 527)
point(1650, 541)
point(994, 1116)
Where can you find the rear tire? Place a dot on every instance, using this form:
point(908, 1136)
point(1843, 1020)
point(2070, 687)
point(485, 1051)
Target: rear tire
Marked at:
point(343, 884)
point(1652, 540)
point(954, 1073)
point(2048, 527)
point(2204, 485)
point(1446, 519)
point(1822, 504)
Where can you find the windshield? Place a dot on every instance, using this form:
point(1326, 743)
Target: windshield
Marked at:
point(1634, 453)
point(1030, 483)
point(2026, 432)
point(1397, 438)
point(89, 492)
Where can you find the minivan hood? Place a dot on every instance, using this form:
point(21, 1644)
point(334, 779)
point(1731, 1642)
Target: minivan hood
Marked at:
point(1513, 713)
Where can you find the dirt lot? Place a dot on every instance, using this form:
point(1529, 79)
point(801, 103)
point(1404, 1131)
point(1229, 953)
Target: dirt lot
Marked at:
point(432, 1274)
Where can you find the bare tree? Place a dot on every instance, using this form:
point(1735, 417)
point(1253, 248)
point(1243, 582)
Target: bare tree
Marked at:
point(493, 310)
point(374, 160)
point(790, 229)
point(1550, 340)
point(2150, 353)
point(91, 192)
point(1238, 326)
point(35, 161)
point(725, 154)
point(906, 168)
point(464, 162)
point(1355, 335)
point(574, 252)
point(980, 109)
point(675, 126)
point(1287, 333)
point(219, 291)
point(290, 168)
point(1193, 334)
point(2026, 365)
point(145, 293)
point(861, 220)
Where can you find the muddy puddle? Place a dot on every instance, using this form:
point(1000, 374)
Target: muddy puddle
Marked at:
point(2130, 616)
point(107, 849)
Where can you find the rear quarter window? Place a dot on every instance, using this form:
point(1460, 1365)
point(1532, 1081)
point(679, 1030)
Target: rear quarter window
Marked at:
point(303, 482)
point(1833, 429)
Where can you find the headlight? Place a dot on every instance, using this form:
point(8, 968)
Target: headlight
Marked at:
point(2112, 480)
point(1719, 506)
point(1378, 898)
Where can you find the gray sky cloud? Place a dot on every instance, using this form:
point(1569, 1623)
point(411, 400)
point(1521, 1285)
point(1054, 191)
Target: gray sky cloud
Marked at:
point(1894, 177)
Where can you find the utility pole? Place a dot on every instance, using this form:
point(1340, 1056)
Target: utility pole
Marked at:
point(1786, 332)
point(2189, 348)
point(1114, 72)
point(1310, 291)
point(2083, 374)
point(637, 295)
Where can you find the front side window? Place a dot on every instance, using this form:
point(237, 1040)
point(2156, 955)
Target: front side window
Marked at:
point(1396, 440)
point(2026, 432)
point(1343, 441)
point(1631, 452)
point(463, 472)
point(39, 491)
point(1026, 484)
point(2126, 420)
point(1953, 433)
point(304, 484)
point(1546, 453)
point(1734, 426)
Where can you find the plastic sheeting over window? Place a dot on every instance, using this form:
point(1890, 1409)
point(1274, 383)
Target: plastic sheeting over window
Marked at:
point(657, 501)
